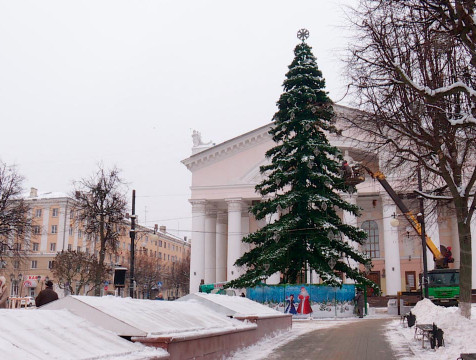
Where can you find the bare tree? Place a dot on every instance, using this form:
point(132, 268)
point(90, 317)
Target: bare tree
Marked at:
point(178, 276)
point(147, 272)
point(415, 82)
point(99, 208)
point(15, 218)
point(74, 270)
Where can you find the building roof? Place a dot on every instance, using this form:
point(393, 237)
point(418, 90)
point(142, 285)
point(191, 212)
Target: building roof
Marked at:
point(151, 318)
point(231, 305)
point(59, 334)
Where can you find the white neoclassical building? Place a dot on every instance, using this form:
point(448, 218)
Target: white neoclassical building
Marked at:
point(223, 181)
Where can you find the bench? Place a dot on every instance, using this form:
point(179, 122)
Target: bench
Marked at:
point(467, 356)
point(430, 332)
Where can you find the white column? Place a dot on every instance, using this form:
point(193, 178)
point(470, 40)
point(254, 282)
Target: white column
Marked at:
point(234, 238)
point(210, 247)
point(391, 248)
point(455, 249)
point(350, 219)
point(197, 256)
point(221, 248)
point(276, 277)
point(433, 231)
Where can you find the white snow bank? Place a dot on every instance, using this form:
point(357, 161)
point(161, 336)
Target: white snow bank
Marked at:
point(59, 334)
point(231, 305)
point(150, 318)
point(459, 332)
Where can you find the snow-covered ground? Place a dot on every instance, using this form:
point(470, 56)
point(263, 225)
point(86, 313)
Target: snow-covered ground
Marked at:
point(459, 336)
point(459, 333)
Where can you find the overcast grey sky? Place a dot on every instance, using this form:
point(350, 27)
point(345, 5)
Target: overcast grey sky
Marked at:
point(126, 82)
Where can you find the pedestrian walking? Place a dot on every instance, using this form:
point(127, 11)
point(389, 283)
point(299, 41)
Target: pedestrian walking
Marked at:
point(3, 292)
point(359, 301)
point(47, 295)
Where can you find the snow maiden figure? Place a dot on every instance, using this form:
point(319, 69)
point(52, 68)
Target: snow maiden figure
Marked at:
point(304, 304)
point(290, 309)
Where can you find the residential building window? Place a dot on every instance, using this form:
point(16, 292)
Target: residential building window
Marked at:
point(70, 247)
point(160, 243)
point(50, 264)
point(34, 264)
point(36, 246)
point(16, 264)
point(160, 255)
point(71, 214)
point(71, 231)
point(87, 251)
point(38, 213)
point(53, 247)
point(80, 234)
point(371, 246)
point(78, 248)
point(117, 259)
point(54, 229)
point(36, 230)
point(168, 257)
point(122, 260)
point(54, 212)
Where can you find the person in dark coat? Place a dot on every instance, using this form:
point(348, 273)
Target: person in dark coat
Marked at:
point(359, 300)
point(47, 295)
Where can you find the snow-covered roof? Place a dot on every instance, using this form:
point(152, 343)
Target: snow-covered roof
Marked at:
point(45, 196)
point(152, 318)
point(59, 334)
point(236, 306)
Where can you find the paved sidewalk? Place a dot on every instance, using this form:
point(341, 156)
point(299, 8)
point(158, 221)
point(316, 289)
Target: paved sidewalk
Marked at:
point(359, 340)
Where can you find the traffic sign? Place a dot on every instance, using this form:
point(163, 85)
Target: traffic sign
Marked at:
point(106, 283)
point(105, 288)
point(159, 283)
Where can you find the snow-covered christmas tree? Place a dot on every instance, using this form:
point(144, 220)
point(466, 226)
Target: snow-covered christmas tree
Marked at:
point(303, 184)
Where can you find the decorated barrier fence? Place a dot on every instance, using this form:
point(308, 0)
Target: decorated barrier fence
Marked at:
point(303, 301)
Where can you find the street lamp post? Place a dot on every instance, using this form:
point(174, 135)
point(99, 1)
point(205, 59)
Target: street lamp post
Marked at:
point(421, 219)
point(133, 237)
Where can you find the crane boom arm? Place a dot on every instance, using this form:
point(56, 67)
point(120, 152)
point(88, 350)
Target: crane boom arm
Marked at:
point(380, 177)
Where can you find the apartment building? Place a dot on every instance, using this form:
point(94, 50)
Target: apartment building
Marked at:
point(53, 230)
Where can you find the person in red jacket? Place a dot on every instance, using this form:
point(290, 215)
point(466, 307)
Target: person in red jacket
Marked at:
point(47, 295)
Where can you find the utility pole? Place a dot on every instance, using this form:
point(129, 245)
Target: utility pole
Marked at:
point(421, 219)
point(133, 237)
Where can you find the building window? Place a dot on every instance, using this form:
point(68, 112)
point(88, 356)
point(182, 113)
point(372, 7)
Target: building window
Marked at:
point(55, 212)
point(160, 243)
point(54, 229)
point(50, 264)
point(53, 247)
point(38, 213)
point(410, 280)
point(36, 246)
point(371, 246)
point(80, 234)
point(16, 264)
point(71, 214)
point(160, 255)
point(78, 248)
point(70, 247)
point(34, 264)
point(36, 230)
point(71, 231)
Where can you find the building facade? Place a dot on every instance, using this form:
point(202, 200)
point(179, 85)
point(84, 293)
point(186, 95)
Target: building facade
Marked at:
point(54, 230)
point(224, 177)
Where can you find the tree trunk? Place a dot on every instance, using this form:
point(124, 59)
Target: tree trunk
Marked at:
point(102, 255)
point(465, 275)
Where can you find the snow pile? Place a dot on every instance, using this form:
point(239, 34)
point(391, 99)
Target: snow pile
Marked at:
point(459, 332)
point(59, 334)
point(231, 305)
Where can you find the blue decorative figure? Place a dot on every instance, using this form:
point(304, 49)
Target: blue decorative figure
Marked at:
point(290, 309)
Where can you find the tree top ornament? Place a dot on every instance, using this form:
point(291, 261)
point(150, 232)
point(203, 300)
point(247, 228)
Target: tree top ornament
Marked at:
point(303, 34)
